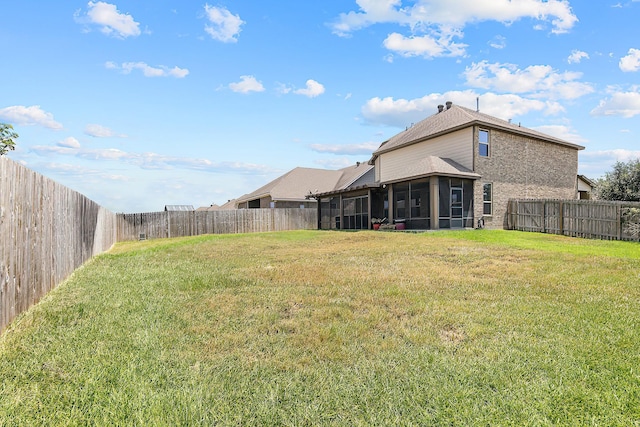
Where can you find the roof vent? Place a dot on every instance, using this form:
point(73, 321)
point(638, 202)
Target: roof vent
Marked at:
point(440, 108)
point(449, 104)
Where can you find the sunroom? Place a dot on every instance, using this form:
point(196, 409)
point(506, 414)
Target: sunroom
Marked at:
point(434, 193)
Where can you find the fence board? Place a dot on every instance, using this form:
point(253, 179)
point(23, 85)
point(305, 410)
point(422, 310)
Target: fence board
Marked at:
point(576, 218)
point(46, 232)
point(155, 225)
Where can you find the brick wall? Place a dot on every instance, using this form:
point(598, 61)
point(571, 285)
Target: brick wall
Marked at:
point(522, 167)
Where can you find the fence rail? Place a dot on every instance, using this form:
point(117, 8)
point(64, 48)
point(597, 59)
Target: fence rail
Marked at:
point(576, 218)
point(154, 225)
point(48, 230)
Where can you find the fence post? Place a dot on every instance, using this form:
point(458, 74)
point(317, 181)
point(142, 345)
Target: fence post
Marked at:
point(561, 218)
point(168, 226)
point(619, 221)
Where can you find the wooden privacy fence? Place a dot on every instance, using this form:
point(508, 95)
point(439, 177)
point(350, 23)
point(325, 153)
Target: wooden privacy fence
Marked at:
point(46, 232)
point(576, 218)
point(154, 225)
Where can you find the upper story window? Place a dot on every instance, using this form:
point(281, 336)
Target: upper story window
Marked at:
point(483, 139)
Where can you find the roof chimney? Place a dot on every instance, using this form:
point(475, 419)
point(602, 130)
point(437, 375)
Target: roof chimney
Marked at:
point(440, 108)
point(449, 104)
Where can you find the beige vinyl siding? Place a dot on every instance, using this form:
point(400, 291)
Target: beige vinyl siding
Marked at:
point(457, 146)
point(583, 186)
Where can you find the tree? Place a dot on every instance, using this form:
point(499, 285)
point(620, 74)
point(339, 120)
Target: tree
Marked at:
point(623, 183)
point(7, 137)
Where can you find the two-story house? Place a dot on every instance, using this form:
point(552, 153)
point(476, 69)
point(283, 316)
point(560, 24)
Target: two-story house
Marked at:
point(457, 168)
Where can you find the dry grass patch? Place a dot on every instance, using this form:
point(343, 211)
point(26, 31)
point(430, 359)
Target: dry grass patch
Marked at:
point(329, 328)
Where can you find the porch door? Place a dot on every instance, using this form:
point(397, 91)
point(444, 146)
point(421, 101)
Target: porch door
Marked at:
point(456, 207)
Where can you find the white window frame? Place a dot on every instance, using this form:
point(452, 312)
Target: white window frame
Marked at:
point(487, 202)
point(488, 143)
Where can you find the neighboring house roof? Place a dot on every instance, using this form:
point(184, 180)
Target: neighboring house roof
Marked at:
point(455, 118)
point(352, 174)
point(298, 183)
point(213, 207)
point(178, 208)
point(585, 184)
point(231, 204)
point(433, 165)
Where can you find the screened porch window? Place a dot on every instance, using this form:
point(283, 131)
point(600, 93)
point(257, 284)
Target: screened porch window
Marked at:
point(355, 213)
point(456, 202)
point(411, 204)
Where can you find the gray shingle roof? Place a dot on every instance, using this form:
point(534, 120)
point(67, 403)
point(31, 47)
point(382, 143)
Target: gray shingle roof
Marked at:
point(296, 184)
point(456, 118)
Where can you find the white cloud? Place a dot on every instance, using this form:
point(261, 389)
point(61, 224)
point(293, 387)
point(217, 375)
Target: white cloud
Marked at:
point(100, 131)
point(147, 70)
point(615, 155)
point(312, 90)
point(403, 112)
point(371, 12)
point(596, 164)
point(110, 20)
point(225, 26)
point(365, 148)
point(563, 132)
point(33, 115)
point(428, 46)
point(152, 160)
point(631, 62)
point(625, 104)
point(283, 89)
point(577, 56)
point(537, 80)
point(455, 14)
point(247, 84)
point(69, 142)
point(498, 42)
point(336, 162)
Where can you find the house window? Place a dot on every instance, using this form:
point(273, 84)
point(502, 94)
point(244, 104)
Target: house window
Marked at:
point(487, 199)
point(483, 138)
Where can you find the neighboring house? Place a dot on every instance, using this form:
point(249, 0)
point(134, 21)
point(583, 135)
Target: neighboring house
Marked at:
point(293, 189)
point(231, 204)
point(585, 187)
point(455, 169)
point(213, 207)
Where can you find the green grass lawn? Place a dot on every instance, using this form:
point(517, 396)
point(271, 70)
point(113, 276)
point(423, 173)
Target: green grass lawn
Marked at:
point(472, 327)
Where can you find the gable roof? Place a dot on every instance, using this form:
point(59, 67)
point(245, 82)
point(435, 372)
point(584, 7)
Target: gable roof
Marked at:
point(432, 165)
point(298, 183)
point(456, 118)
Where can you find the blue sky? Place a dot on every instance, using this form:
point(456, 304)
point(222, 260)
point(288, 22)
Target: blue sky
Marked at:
point(139, 104)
